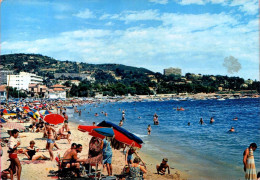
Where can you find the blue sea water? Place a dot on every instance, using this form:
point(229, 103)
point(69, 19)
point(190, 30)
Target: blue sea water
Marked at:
point(206, 151)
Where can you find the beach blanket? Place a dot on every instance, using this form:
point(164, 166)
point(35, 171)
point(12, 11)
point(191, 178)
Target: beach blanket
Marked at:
point(250, 167)
point(32, 162)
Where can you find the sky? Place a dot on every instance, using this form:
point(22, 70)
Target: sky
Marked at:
point(193, 35)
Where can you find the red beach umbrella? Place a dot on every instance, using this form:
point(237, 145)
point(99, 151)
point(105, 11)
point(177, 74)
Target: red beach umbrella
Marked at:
point(26, 107)
point(90, 131)
point(54, 119)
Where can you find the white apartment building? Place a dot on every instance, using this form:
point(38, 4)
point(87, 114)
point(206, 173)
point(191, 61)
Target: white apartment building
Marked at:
point(23, 80)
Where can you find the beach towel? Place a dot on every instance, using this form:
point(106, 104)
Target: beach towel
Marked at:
point(32, 162)
point(250, 166)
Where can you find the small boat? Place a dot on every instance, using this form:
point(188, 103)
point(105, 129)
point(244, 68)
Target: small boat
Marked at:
point(221, 99)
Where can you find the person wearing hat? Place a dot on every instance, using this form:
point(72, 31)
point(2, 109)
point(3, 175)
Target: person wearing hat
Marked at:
point(161, 169)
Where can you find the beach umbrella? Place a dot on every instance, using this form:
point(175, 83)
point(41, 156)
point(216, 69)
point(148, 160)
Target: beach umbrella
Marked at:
point(121, 130)
point(45, 112)
point(13, 125)
point(89, 129)
point(5, 111)
point(54, 119)
point(101, 132)
point(108, 132)
point(2, 120)
point(30, 113)
point(26, 107)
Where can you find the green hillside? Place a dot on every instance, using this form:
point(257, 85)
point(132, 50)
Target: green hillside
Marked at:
point(46, 66)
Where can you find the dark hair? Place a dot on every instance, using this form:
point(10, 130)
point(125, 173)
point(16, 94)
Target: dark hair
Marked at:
point(73, 144)
point(32, 142)
point(253, 145)
point(14, 131)
point(137, 160)
point(78, 145)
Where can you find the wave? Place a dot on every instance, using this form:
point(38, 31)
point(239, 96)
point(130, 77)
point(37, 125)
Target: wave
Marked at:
point(140, 135)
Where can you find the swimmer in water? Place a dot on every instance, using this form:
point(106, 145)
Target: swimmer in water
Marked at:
point(149, 129)
point(212, 120)
point(232, 129)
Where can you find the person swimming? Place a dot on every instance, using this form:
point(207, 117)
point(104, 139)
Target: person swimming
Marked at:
point(232, 129)
point(211, 120)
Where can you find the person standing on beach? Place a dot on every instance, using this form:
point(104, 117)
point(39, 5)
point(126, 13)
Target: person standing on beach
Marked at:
point(13, 143)
point(66, 118)
point(51, 135)
point(107, 156)
point(249, 162)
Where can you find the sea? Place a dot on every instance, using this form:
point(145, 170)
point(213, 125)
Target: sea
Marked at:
point(207, 151)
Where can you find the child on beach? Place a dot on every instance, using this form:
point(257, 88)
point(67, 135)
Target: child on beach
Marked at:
point(149, 129)
point(13, 143)
point(161, 169)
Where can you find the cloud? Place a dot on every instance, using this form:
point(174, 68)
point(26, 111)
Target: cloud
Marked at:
point(249, 7)
point(187, 2)
point(130, 16)
point(181, 40)
point(86, 14)
point(159, 1)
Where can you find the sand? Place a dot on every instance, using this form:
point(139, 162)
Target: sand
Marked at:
point(32, 171)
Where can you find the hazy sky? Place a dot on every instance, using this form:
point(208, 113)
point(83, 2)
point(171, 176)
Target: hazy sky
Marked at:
point(194, 35)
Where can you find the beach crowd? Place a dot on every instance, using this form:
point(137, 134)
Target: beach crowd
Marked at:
point(20, 118)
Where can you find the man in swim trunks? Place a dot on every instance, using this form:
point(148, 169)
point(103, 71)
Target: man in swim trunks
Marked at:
point(73, 146)
point(163, 166)
point(66, 118)
point(51, 135)
point(71, 158)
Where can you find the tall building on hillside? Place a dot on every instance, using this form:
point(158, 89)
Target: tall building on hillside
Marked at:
point(3, 76)
point(23, 80)
point(175, 71)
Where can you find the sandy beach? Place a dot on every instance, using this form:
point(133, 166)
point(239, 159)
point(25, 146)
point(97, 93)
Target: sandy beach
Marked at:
point(40, 169)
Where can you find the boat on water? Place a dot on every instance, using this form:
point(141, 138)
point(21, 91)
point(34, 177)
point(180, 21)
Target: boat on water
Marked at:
point(221, 99)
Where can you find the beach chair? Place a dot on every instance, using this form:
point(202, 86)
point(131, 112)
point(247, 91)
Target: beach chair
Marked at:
point(63, 172)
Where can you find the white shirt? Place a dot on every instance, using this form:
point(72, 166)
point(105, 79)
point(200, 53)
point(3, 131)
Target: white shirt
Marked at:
point(12, 142)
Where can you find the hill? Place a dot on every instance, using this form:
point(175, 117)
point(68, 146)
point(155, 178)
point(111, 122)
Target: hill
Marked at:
point(46, 66)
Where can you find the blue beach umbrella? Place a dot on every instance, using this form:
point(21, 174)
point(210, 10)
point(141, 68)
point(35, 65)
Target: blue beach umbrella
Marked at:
point(30, 113)
point(2, 120)
point(108, 132)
